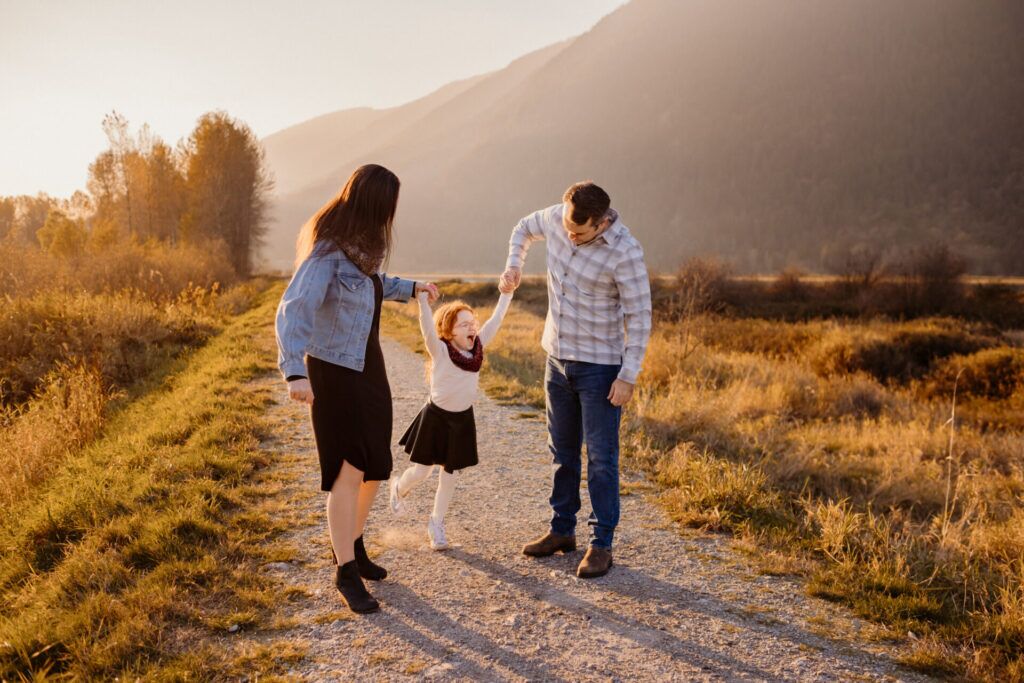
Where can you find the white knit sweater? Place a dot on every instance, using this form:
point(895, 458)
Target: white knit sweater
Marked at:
point(451, 387)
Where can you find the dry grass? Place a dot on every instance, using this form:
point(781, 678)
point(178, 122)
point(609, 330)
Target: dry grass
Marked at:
point(826, 444)
point(67, 414)
point(837, 446)
point(76, 334)
point(154, 270)
point(151, 533)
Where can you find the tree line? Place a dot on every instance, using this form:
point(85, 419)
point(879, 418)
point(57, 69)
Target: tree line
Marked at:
point(212, 186)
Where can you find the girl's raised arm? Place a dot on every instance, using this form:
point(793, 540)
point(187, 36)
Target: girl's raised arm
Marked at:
point(430, 339)
point(493, 324)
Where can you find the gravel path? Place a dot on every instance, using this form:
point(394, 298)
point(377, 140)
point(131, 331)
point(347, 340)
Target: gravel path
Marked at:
point(674, 607)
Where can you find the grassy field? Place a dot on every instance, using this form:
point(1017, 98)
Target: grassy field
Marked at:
point(137, 508)
point(78, 335)
point(134, 504)
point(825, 446)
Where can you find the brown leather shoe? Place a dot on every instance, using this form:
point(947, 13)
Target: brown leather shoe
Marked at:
point(595, 563)
point(549, 544)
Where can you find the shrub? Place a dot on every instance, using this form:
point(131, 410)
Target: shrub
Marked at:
point(700, 287)
point(991, 373)
point(932, 280)
point(898, 356)
point(789, 285)
point(856, 396)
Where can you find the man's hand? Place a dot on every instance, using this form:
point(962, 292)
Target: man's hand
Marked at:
point(620, 393)
point(430, 288)
point(505, 287)
point(300, 390)
point(511, 278)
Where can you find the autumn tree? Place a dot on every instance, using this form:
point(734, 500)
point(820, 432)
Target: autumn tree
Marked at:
point(227, 187)
point(61, 235)
point(27, 215)
point(118, 166)
point(165, 192)
point(136, 184)
point(7, 213)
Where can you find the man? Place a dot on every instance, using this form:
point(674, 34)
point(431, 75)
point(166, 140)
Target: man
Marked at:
point(595, 335)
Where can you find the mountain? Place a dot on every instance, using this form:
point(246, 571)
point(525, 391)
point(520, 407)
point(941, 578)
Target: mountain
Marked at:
point(772, 134)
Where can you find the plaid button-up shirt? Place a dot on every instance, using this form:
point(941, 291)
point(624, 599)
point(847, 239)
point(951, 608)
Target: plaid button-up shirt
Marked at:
point(596, 292)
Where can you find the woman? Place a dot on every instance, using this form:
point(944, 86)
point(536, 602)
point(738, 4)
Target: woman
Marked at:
point(328, 326)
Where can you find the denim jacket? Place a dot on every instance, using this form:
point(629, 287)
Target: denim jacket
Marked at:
point(327, 311)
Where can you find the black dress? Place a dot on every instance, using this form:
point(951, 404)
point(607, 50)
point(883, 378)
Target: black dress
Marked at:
point(441, 437)
point(351, 410)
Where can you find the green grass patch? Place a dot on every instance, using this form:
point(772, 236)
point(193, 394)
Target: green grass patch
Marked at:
point(153, 530)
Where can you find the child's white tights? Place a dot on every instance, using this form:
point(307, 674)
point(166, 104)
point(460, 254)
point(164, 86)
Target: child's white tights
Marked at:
point(445, 486)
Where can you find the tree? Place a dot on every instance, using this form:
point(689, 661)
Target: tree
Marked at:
point(227, 187)
point(104, 187)
point(165, 196)
point(122, 155)
point(62, 236)
point(29, 215)
point(7, 213)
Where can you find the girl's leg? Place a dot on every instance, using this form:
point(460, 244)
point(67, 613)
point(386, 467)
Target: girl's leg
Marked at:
point(342, 511)
point(413, 476)
point(435, 525)
point(445, 490)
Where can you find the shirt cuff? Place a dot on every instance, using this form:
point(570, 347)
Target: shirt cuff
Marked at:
point(514, 262)
point(292, 378)
point(628, 374)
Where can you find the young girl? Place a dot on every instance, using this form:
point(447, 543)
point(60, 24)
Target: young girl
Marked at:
point(444, 431)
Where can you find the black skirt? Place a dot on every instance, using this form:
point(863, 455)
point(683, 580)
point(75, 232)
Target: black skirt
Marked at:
point(351, 411)
point(440, 437)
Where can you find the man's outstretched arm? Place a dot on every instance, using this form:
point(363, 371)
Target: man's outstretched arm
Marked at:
point(527, 231)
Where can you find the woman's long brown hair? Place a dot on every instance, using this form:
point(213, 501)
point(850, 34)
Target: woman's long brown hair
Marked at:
point(362, 215)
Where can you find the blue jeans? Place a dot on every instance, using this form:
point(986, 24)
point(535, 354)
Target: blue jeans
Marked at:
point(578, 409)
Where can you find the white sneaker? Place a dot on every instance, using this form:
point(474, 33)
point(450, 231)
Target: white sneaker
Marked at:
point(435, 532)
point(397, 505)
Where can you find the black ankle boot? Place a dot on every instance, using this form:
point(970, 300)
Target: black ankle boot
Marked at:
point(367, 568)
point(352, 589)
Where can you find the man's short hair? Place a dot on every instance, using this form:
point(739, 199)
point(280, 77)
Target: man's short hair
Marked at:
point(588, 202)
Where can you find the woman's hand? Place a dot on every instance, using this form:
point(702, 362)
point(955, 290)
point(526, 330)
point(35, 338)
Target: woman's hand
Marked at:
point(300, 390)
point(430, 288)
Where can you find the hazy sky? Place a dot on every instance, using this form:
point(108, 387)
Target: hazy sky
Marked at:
point(64, 64)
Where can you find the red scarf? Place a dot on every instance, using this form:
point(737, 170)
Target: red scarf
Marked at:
point(470, 364)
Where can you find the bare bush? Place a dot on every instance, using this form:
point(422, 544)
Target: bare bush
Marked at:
point(859, 266)
point(789, 285)
point(932, 280)
point(701, 286)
